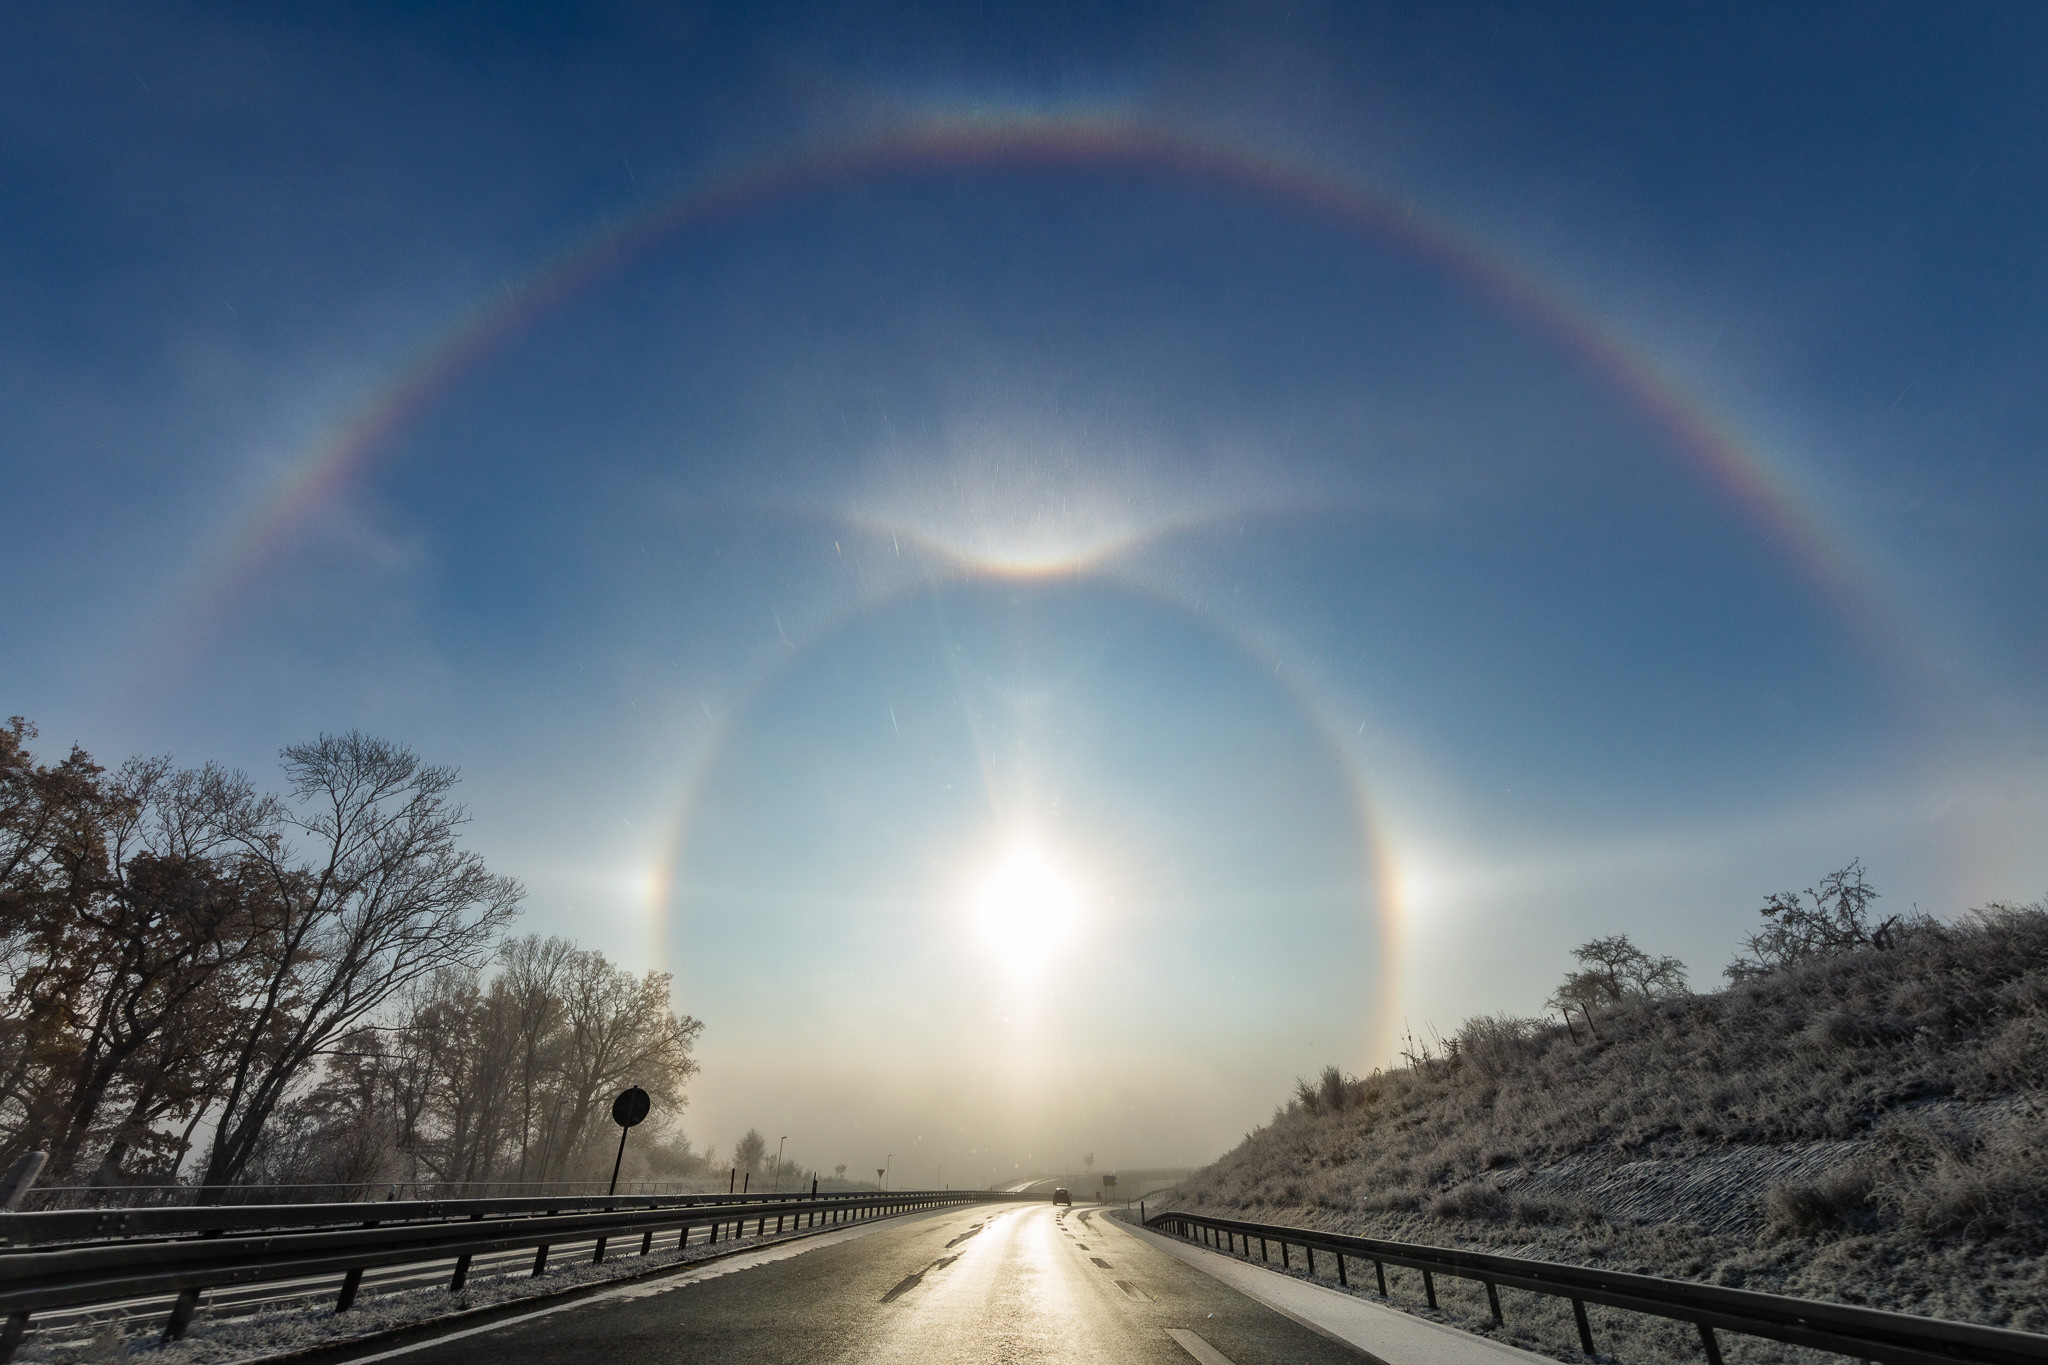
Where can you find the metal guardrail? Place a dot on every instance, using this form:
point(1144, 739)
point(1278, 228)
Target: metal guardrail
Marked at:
point(185, 1252)
point(78, 1225)
point(43, 1198)
point(1864, 1333)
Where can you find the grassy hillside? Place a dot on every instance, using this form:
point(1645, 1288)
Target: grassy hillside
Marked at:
point(1866, 1126)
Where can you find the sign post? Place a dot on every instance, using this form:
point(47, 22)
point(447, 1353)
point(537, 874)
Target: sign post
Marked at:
point(628, 1109)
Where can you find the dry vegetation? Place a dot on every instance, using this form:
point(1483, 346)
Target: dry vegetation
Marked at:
point(1863, 1125)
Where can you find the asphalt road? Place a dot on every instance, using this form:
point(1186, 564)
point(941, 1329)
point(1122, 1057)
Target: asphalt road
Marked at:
point(1026, 1284)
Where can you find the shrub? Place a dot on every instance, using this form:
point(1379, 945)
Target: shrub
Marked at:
point(1499, 1045)
point(1333, 1092)
point(1836, 1202)
point(1473, 1199)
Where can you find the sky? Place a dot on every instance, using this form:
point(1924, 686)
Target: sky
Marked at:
point(1058, 566)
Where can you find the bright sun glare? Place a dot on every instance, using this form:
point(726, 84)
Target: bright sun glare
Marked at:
point(1027, 904)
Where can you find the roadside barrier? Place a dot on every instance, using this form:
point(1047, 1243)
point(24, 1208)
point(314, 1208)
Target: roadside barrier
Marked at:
point(1863, 1333)
point(78, 1258)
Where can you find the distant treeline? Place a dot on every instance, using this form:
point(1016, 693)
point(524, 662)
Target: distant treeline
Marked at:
point(206, 981)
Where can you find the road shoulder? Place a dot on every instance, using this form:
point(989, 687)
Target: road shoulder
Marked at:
point(1386, 1334)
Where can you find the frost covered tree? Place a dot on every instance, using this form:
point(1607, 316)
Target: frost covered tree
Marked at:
point(1833, 917)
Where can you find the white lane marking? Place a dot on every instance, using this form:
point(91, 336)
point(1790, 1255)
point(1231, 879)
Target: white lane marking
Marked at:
point(1196, 1347)
point(646, 1289)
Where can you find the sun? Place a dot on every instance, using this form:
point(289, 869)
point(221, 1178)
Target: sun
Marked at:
point(1027, 904)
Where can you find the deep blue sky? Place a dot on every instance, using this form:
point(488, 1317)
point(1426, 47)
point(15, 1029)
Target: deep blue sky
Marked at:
point(1379, 643)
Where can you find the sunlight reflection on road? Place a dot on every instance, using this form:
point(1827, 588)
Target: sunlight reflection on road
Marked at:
point(1019, 1291)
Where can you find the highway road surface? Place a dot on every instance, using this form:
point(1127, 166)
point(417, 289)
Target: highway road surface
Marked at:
point(986, 1284)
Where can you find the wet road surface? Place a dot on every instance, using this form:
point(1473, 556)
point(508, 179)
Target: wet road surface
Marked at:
point(1027, 1284)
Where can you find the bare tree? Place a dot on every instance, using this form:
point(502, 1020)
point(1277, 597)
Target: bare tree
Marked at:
point(620, 1030)
point(1831, 918)
point(534, 969)
point(380, 898)
point(747, 1153)
point(476, 1081)
point(1612, 970)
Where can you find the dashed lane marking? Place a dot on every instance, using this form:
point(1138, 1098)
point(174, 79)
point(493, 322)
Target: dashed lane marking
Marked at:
point(1133, 1291)
point(1099, 1261)
point(1196, 1347)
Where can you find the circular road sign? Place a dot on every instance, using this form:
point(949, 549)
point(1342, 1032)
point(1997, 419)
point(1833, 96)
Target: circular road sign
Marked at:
point(630, 1107)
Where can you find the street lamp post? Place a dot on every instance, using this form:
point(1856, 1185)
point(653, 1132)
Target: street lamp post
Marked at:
point(778, 1162)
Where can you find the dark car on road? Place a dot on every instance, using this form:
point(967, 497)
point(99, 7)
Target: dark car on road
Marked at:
point(1060, 1196)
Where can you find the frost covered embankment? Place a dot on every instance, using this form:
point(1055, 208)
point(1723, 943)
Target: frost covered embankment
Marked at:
point(1867, 1128)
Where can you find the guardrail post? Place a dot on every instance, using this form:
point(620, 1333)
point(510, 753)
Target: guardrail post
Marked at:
point(1284, 1262)
point(1342, 1278)
point(540, 1259)
point(1263, 1256)
point(350, 1283)
point(597, 1256)
point(1379, 1272)
point(1708, 1342)
point(1311, 1260)
point(11, 1334)
point(1493, 1301)
point(461, 1276)
point(683, 1237)
point(647, 1242)
point(1585, 1328)
point(181, 1314)
point(1429, 1288)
